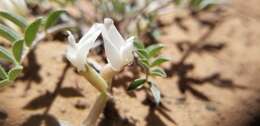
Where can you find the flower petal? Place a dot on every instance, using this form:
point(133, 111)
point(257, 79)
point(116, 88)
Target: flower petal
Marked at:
point(77, 52)
point(71, 39)
point(127, 51)
point(72, 53)
point(112, 43)
point(112, 32)
point(88, 41)
point(89, 38)
point(113, 55)
point(118, 51)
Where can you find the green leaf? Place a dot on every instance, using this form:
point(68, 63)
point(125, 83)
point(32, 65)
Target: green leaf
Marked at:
point(3, 74)
point(18, 50)
point(16, 19)
point(155, 92)
point(14, 72)
point(144, 63)
point(4, 82)
point(157, 71)
point(5, 54)
point(143, 54)
point(52, 18)
point(153, 50)
point(9, 33)
point(139, 45)
point(31, 31)
point(136, 83)
point(159, 61)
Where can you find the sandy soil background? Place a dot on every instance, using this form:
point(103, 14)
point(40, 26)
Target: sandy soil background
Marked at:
point(213, 78)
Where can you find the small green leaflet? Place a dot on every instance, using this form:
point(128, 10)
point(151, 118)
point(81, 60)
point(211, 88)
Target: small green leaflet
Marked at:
point(155, 92)
point(3, 74)
point(5, 54)
point(16, 19)
point(17, 49)
point(143, 54)
point(136, 83)
point(153, 50)
point(53, 18)
point(14, 72)
point(144, 62)
point(139, 45)
point(9, 33)
point(157, 71)
point(159, 61)
point(31, 32)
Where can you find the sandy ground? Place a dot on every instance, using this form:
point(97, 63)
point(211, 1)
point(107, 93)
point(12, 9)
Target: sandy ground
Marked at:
point(213, 78)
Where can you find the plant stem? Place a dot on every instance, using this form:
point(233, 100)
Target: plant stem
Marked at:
point(95, 79)
point(96, 110)
point(107, 73)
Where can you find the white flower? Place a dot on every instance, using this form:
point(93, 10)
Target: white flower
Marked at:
point(14, 6)
point(77, 52)
point(119, 51)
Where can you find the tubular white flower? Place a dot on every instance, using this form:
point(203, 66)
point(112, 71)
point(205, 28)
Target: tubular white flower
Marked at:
point(118, 50)
point(77, 52)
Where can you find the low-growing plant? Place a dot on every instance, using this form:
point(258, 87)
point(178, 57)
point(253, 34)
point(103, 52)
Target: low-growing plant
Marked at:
point(119, 52)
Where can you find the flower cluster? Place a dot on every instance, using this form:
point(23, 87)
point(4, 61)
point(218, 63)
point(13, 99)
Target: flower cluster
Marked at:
point(118, 50)
point(119, 53)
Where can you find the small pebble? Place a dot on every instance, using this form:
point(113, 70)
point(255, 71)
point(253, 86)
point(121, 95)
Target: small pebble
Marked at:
point(81, 104)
